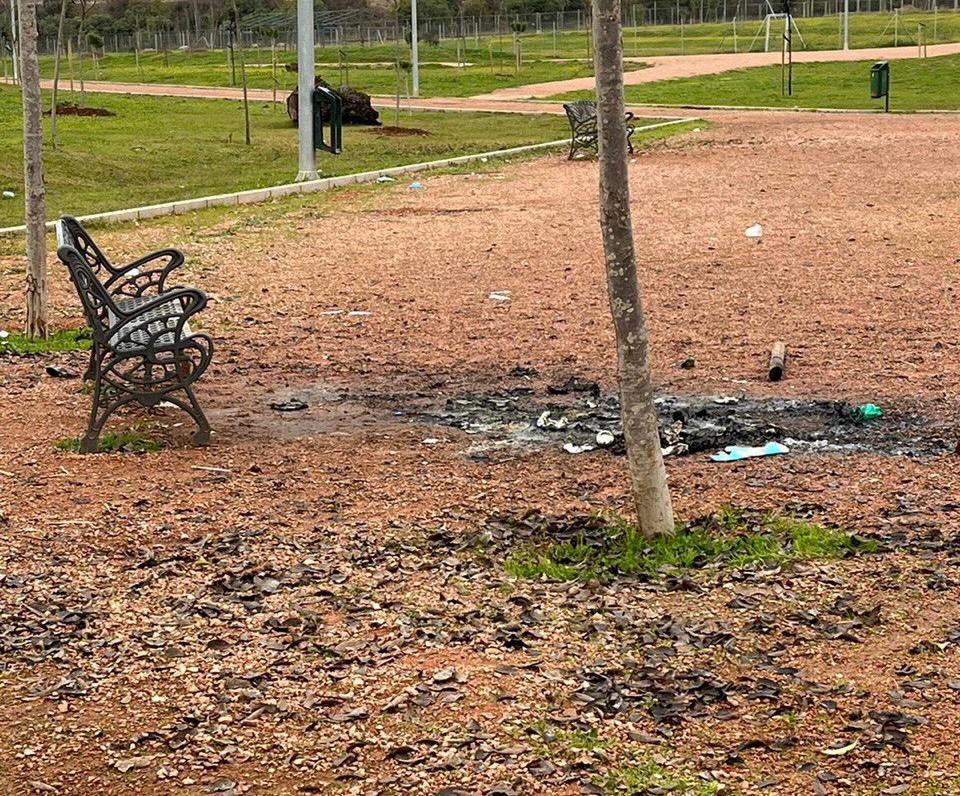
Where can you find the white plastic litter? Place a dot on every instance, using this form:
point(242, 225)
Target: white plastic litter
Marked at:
point(500, 295)
point(8, 194)
point(357, 313)
point(605, 438)
point(385, 178)
point(735, 453)
point(570, 447)
point(431, 441)
point(756, 231)
point(4, 333)
point(555, 423)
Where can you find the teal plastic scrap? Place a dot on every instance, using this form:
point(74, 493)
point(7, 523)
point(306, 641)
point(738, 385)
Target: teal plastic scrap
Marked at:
point(868, 412)
point(736, 453)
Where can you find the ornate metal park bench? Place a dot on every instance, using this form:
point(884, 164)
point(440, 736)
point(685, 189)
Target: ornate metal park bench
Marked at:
point(582, 116)
point(143, 348)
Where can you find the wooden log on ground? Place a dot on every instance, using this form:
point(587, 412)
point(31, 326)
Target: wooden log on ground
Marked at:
point(778, 359)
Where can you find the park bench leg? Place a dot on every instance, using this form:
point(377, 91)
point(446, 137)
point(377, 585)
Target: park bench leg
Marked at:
point(191, 406)
point(201, 436)
point(91, 371)
point(100, 410)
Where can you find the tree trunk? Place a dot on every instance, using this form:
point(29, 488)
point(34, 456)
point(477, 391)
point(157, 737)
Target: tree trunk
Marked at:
point(36, 280)
point(56, 75)
point(243, 77)
point(83, 91)
point(647, 474)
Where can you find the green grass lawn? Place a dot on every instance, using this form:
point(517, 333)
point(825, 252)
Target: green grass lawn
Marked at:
point(491, 58)
point(158, 149)
point(928, 84)
point(371, 74)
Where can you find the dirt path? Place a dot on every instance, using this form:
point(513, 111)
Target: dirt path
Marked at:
point(318, 603)
point(668, 67)
point(660, 68)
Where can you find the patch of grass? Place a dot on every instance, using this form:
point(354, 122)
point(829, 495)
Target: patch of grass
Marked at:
point(491, 57)
point(61, 340)
point(548, 740)
point(916, 84)
point(730, 538)
point(368, 72)
point(647, 776)
point(116, 442)
point(158, 149)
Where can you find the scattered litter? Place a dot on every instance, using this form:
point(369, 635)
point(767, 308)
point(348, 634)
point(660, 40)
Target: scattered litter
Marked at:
point(697, 130)
point(357, 313)
point(726, 400)
point(290, 405)
point(868, 412)
point(385, 178)
point(416, 185)
point(688, 364)
point(4, 333)
point(842, 750)
point(545, 421)
point(332, 312)
point(431, 441)
point(677, 449)
point(8, 194)
point(523, 372)
point(734, 453)
point(60, 373)
point(571, 447)
point(500, 295)
point(605, 438)
point(756, 231)
point(778, 361)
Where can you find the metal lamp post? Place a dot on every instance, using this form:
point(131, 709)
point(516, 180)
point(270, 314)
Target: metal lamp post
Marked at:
point(414, 47)
point(305, 56)
point(846, 24)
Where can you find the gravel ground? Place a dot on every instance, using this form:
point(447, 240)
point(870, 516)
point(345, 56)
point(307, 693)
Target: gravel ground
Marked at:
point(317, 602)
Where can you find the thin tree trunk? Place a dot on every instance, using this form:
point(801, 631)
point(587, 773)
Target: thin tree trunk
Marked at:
point(647, 474)
point(36, 277)
point(56, 75)
point(83, 91)
point(243, 78)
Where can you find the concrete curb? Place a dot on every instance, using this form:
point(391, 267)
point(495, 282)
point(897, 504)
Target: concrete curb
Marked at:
point(312, 186)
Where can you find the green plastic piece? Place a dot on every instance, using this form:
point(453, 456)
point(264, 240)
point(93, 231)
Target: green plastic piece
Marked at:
point(869, 412)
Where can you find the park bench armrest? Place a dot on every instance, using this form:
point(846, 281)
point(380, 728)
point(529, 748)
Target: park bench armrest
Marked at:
point(157, 322)
point(134, 279)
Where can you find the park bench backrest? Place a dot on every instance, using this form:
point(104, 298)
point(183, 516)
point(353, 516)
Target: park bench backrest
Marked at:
point(85, 263)
point(580, 111)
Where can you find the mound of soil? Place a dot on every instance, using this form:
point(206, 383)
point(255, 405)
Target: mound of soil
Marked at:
point(72, 109)
point(402, 131)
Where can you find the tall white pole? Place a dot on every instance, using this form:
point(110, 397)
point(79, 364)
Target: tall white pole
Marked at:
point(305, 56)
point(13, 42)
point(415, 48)
point(846, 24)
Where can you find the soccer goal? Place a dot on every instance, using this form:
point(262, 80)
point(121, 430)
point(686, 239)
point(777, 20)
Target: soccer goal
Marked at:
point(788, 21)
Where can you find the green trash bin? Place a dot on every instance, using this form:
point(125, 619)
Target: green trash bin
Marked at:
point(880, 81)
